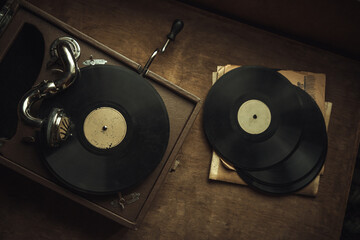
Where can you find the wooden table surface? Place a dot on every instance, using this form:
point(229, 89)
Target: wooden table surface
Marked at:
point(188, 205)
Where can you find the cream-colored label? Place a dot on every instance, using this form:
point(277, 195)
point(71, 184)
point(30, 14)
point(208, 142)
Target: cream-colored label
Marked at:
point(254, 116)
point(105, 127)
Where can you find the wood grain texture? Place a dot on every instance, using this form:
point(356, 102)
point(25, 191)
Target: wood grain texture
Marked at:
point(329, 25)
point(188, 205)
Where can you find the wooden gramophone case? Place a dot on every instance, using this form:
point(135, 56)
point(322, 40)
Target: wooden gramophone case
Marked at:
point(24, 53)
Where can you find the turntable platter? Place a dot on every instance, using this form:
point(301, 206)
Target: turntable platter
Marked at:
point(119, 131)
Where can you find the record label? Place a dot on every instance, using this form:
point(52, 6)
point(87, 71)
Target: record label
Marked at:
point(105, 128)
point(254, 116)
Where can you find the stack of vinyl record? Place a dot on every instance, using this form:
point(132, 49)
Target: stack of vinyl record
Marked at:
point(272, 132)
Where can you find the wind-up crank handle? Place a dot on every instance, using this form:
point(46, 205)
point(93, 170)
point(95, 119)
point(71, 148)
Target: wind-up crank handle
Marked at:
point(175, 29)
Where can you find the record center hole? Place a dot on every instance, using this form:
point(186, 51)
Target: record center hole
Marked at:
point(254, 116)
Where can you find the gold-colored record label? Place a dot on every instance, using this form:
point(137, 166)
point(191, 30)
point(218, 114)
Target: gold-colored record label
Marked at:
point(254, 116)
point(105, 127)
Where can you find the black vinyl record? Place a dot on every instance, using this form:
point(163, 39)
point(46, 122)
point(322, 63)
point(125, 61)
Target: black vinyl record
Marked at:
point(271, 92)
point(304, 164)
point(285, 189)
point(82, 162)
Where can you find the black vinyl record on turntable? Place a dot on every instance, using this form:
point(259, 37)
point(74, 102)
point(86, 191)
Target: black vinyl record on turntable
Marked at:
point(270, 131)
point(119, 130)
point(103, 128)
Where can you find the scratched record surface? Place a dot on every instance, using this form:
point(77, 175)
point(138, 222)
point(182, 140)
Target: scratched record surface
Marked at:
point(120, 131)
point(252, 117)
point(304, 164)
